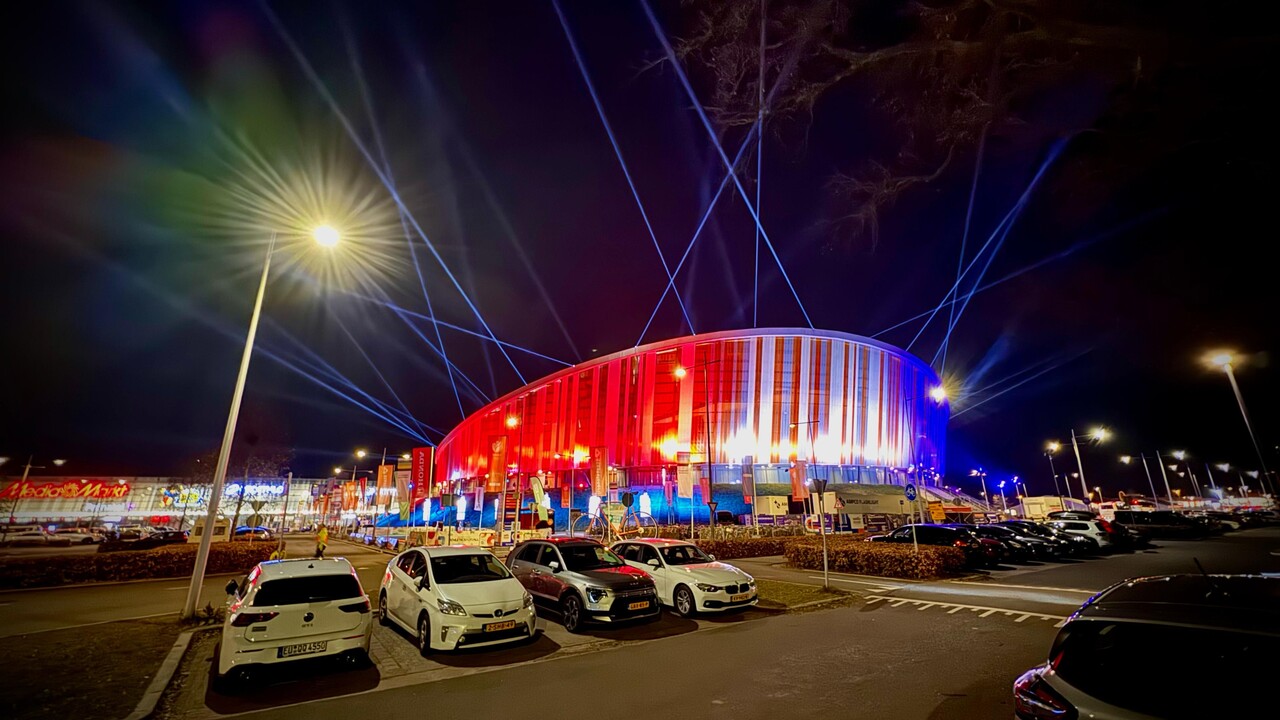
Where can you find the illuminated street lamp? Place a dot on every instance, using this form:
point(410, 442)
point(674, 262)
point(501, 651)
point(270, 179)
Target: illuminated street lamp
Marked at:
point(1050, 449)
point(982, 475)
point(1098, 434)
point(1224, 360)
point(1127, 459)
point(325, 236)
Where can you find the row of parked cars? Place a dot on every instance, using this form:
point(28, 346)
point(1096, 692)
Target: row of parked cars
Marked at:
point(454, 597)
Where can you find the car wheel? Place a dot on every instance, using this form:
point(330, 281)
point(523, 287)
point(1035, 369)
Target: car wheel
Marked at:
point(87, 541)
point(383, 618)
point(571, 613)
point(683, 601)
point(424, 635)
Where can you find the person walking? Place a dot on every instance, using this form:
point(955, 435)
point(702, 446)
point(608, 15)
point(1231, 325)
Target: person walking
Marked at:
point(322, 540)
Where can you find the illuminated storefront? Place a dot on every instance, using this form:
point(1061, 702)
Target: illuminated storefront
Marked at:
point(857, 411)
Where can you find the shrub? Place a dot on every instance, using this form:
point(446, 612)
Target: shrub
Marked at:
point(883, 559)
point(749, 547)
point(161, 562)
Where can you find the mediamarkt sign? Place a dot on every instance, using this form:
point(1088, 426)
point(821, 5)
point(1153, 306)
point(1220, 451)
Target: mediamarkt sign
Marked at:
point(95, 489)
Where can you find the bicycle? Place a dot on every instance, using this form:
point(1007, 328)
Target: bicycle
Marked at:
point(613, 521)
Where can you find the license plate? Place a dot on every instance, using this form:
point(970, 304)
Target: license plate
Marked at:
point(638, 605)
point(303, 649)
point(739, 597)
point(504, 625)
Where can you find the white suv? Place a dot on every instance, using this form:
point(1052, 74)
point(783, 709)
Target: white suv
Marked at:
point(291, 609)
point(452, 597)
point(1088, 528)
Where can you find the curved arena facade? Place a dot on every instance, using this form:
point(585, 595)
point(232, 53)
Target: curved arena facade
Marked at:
point(857, 411)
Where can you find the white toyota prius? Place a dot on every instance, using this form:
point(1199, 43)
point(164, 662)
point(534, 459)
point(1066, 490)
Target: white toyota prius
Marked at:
point(455, 597)
point(688, 579)
point(294, 609)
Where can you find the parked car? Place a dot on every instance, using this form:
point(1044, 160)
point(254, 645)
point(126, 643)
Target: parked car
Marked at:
point(152, 540)
point(1073, 515)
point(79, 536)
point(1075, 544)
point(35, 538)
point(689, 580)
point(253, 533)
point(286, 610)
point(1160, 524)
point(977, 551)
point(1114, 657)
point(1023, 545)
point(452, 597)
point(1089, 528)
point(583, 581)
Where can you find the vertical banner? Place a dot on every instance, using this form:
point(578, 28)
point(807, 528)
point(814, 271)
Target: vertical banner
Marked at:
point(535, 485)
point(403, 498)
point(386, 480)
point(600, 471)
point(799, 485)
point(497, 464)
point(348, 496)
point(566, 494)
point(704, 484)
point(420, 469)
point(684, 481)
point(748, 479)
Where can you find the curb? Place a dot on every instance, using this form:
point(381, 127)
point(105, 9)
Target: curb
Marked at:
point(161, 681)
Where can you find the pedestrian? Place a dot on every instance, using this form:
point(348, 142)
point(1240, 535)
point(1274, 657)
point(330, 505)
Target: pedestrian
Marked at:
point(278, 553)
point(322, 540)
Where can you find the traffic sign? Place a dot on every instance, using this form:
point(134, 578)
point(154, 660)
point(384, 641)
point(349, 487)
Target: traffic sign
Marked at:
point(909, 491)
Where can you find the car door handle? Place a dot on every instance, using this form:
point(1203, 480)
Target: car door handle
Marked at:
point(537, 572)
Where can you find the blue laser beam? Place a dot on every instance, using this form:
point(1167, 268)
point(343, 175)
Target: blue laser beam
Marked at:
point(755, 288)
point(604, 120)
point(964, 238)
point(1017, 385)
point(706, 123)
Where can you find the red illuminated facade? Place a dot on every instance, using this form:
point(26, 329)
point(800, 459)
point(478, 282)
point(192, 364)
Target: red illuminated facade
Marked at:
point(858, 410)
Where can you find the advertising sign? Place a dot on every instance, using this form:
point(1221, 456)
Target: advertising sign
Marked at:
point(403, 498)
point(386, 480)
point(799, 486)
point(497, 464)
point(600, 471)
point(684, 481)
point(748, 478)
point(936, 512)
point(86, 489)
point(421, 473)
point(704, 485)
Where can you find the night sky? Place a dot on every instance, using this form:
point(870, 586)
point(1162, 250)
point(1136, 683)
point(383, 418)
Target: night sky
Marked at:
point(149, 150)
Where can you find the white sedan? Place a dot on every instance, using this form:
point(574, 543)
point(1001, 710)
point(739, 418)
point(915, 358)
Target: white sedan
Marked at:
point(688, 579)
point(453, 597)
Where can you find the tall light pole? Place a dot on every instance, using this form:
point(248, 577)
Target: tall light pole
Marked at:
point(325, 236)
point(1050, 449)
point(1224, 361)
point(1127, 459)
point(1004, 506)
point(1165, 476)
point(982, 475)
point(26, 470)
point(1099, 434)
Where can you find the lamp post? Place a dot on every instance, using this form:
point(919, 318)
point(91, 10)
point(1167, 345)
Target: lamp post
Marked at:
point(1225, 362)
point(982, 475)
point(26, 470)
point(1004, 506)
point(1165, 476)
point(1127, 459)
point(327, 237)
point(1098, 434)
point(513, 422)
point(1050, 450)
point(706, 388)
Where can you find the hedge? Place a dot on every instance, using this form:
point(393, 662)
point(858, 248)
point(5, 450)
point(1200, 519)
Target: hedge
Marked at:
point(748, 547)
point(872, 558)
point(161, 562)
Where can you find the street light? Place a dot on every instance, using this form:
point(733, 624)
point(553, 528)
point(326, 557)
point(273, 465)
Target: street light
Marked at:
point(1127, 459)
point(1224, 360)
point(1004, 506)
point(982, 475)
point(325, 236)
point(1050, 449)
point(1098, 434)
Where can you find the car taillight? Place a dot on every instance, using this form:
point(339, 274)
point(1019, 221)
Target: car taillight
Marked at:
point(961, 543)
point(1033, 699)
point(1106, 527)
point(360, 607)
point(246, 619)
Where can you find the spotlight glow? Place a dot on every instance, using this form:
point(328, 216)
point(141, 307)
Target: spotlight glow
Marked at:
point(326, 236)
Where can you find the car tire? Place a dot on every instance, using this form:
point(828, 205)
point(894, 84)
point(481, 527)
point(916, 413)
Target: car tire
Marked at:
point(87, 541)
point(571, 613)
point(384, 619)
point(424, 635)
point(682, 601)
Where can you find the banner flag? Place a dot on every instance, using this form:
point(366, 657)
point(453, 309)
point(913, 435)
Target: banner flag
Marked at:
point(799, 485)
point(684, 482)
point(704, 484)
point(403, 498)
point(748, 479)
point(497, 465)
point(600, 471)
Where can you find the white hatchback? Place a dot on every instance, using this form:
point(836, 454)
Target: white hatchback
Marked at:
point(1088, 528)
point(688, 579)
point(286, 610)
point(455, 597)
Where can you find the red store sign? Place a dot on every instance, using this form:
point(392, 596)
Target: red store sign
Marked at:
point(87, 489)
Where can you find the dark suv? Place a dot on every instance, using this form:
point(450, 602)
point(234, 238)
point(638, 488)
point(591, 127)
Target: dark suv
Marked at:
point(583, 581)
point(978, 552)
point(1160, 523)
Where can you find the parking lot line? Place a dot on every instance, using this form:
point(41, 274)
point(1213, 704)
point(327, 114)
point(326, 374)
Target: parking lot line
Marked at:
point(983, 610)
point(1023, 587)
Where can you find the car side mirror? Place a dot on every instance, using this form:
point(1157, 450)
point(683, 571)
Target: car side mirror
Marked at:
point(555, 566)
point(713, 557)
point(653, 563)
point(232, 587)
point(422, 582)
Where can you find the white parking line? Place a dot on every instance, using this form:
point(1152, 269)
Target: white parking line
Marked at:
point(1021, 618)
point(986, 613)
point(983, 610)
point(876, 585)
point(1023, 587)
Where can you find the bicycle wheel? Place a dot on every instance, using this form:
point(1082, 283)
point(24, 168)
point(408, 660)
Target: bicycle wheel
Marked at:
point(591, 526)
point(638, 525)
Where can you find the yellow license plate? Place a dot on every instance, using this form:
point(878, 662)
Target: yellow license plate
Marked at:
point(638, 605)
point(739, 597)
point(504, 625)
point(304, 649)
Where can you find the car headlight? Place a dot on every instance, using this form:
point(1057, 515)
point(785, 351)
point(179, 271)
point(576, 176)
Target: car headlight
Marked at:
point(449, 607)
point(596, 594)
point(704, 587)
point(528, 601)
point(753, 584)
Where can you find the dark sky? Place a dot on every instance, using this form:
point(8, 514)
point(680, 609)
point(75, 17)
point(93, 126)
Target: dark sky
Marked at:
point(148, 149)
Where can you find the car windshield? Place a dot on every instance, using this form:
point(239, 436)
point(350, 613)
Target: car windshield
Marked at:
point(310, 589)
point(684, 555)
point(588, 557)
point(476, 567)
point(1110, 660)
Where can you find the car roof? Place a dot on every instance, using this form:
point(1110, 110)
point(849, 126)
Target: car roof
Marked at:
point(656, 542)
point(298, 567)
point(565, 540)
point(450, 550)
point(1247, 603)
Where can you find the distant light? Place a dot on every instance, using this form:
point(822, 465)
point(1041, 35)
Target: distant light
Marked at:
point(326, 236)
point(406, 456)
point(1126, 459)
point(1221, 359)
point(512, 421)
point(1224, 467)
point(680, 372)
point(1101, 434)
point(361, 453)
point(59, 462)
point(1180, 454)
point(938, 393)
point(1053, 446)
point(337, 471)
